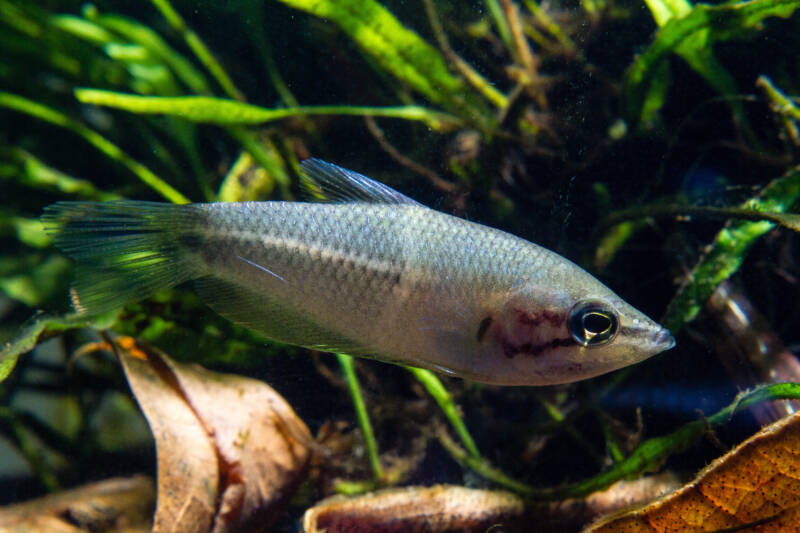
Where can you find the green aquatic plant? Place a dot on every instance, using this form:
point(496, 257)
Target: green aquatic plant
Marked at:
point(729, 249)
point(399, 51)
point(649, 456)
point(36, 110)
point(690, 32)
point(209, 110)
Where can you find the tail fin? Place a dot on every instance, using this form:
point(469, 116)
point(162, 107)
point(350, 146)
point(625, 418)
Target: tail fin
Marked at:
point(124, 251)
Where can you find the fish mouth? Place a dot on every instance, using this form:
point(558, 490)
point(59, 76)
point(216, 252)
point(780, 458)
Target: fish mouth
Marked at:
point(664, 339)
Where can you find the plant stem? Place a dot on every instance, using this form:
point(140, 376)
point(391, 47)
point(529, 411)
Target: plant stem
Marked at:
point(676, 210)
point(346, 362)
point(481, 467)
point(549, 25)
point(199, 48)
point(652, 453)
point(647, 457)
point(465, 69)
point(35, 109)
point(436, 389)
point(500, 22)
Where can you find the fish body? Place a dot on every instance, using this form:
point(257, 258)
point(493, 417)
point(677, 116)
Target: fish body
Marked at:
point(373, 274)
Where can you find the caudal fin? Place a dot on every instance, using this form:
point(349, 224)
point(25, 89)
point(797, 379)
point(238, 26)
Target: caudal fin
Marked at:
point(124, 250)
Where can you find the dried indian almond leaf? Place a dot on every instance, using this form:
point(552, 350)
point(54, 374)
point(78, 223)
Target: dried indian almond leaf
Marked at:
point(445, 508)
point(260, 440)
point(113, 505)
point(755, 487)
point(188, 469)
point(433, 509)
point(230, 449)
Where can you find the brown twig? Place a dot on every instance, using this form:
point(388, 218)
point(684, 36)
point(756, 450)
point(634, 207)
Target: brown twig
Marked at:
point(395, 154)
point(462, 67)
point(523, 50)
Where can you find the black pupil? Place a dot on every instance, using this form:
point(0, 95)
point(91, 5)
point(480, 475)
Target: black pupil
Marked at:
point(593, 323)
point(596, 323)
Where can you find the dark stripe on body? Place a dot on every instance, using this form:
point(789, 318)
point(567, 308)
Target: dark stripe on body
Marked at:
point(511, 350)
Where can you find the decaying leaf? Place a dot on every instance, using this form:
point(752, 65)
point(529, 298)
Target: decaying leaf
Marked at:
point(230, 449)
point(755, 487)
point(434, 509)
point(444, 508)
point(119, 504)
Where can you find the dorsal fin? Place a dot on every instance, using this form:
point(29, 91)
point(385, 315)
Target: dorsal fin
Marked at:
point(331, 183)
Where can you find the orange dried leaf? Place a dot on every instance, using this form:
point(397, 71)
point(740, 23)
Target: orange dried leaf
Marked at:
point(757, 485)
point(230, 449)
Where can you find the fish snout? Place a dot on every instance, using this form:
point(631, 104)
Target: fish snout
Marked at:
point(664, 339)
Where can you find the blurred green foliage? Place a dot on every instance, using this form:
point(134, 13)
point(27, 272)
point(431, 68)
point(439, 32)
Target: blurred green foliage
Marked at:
point(690, 32)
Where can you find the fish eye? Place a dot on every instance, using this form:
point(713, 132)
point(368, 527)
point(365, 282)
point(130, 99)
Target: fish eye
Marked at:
point(593, 323)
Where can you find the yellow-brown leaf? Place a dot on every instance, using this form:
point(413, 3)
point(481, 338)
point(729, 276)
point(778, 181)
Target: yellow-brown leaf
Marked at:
point(755, 487)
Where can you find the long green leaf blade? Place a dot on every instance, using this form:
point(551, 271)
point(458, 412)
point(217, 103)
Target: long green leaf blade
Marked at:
point(220, 111)
point(729, 249)
point(397, 49)
point(702, 26)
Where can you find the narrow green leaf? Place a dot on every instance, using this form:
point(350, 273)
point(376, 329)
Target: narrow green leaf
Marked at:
point(780, 102)
point(665, 10)
point(730, 246)
point(42, 112)
point(220, 111)
point(264, 153)
point(83, 29)
point(696, 31)
point(651, 454)
point(613, 241)
point(500, 22)
point(444, 400)
point(247, 182)
point(199, 48)
point(398, 50)
point(37, 328)
point(28, 231)
point(137, 33)
point(348, 368)
point(32, 172)
point(482, 467)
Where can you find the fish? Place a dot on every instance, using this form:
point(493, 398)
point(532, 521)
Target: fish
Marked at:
point(369, 272)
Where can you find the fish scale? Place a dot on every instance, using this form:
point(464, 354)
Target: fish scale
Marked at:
point(371, 273)
point(323, 260)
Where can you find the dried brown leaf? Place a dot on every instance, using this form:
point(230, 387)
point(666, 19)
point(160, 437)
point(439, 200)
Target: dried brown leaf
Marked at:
point(113, 505)
point(260, 441)
point(755, 487)
point(188, 469)
point(433, 509)
point(230, 449)
point(451, 508)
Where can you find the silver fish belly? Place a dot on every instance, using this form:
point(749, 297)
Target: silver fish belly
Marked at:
point(374, 274)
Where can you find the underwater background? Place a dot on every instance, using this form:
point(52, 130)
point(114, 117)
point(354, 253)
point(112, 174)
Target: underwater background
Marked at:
point(655, 143)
